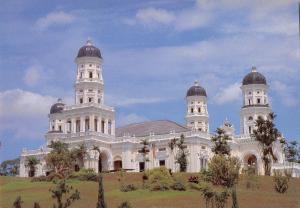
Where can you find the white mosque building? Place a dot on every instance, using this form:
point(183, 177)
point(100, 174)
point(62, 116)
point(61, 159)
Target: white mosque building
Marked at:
point(89, 121)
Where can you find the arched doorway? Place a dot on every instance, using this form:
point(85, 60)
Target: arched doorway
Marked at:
point(117, 163)
point(103, 162)
point(250, 163)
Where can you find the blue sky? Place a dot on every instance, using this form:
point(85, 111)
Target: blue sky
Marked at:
point(153, 52)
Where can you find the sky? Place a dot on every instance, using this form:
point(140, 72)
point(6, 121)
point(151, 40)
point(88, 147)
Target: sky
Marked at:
point(153, 52)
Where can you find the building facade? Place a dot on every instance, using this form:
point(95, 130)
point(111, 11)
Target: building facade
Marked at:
point(92, 123)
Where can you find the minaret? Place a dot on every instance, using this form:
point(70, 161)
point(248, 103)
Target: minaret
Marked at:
point(255, 100)
point(197, 114)
point(89, 81)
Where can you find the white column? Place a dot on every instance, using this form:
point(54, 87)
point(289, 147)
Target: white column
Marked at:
point(98, 124)
point(73, 125)
point(106, 126)
point(113, 124)
point(82, 124)
point(92, 122)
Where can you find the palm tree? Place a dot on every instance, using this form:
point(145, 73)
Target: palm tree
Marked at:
point(79, 153)
point(267, 134)
point(144, 151)
point(31, 162)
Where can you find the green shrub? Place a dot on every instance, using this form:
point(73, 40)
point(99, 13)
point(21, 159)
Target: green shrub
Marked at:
point(281, 181)
point(159, 179)
point(128, 187)
point(124, 205)
point(179, 183)
point(84, 175)
point(194, 179)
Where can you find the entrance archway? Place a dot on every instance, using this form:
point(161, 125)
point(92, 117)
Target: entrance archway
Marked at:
point(250, 163)
point(103, 162)
point(117, 163)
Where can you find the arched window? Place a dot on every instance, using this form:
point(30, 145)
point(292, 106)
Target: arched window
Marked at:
point(199, 110)
point(250, 118)
point(91, 74)
point(192, 110)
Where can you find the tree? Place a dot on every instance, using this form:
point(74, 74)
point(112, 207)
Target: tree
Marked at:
point(10, 167)
point(59, 159)
point(144, 151)
point(79, 153)
point(62, 194)
point(266, 134)
point(31, 162)
point(220, 141)
point(291, 151)
point(182, 153)
point(36, 205)
point(18, 202)
point(100, 202)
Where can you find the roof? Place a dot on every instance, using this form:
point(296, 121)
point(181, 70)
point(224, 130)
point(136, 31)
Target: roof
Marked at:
point(88, 50)
point(196, 90)
point(254, 77)
point(145, 128)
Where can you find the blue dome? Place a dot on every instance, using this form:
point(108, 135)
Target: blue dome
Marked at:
point(254, 77)
point(89, 51)
point(196, 90)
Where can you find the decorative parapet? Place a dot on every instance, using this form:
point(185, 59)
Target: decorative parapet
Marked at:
point(40, 151)
point(84, 105)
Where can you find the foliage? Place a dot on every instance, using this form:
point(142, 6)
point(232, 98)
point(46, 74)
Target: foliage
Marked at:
point(179, 183)
point(36, 205)
point(292, 151)
point(18, 202)
point(266, 134)
point(128, 187)
point(220, 141)
point(251, 178)
point(144, 151)
point(61, 193)
point(84, 175)
point(51, 177)
point(193, 179)
point(281, 181)
point(159, 179)
point(224, 171)
point(79, 153)
point(182, 153)
point(31, 162)
point(10, 167)
point(125, 204)
point(59, 159)
point(100, 202)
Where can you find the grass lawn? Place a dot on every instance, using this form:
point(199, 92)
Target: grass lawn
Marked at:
point(264, 197)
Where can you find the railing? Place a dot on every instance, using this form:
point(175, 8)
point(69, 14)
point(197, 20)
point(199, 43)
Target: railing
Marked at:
point(79, 135)
point(84, 105)
point(42, 150)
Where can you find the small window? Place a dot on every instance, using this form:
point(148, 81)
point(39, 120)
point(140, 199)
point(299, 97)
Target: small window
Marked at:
point(90, 65)
point(81, 90)
point(249, 93)
point(192, 110)
point(98, 75)
point(257, 92)
point(250, 130)
point(162, 163)
point(91, 74)
point(199, 129)
point(203, 147)
point(258, 100)
point(90, 90)
point(192, 122)
point(98, 66)
point(81, 100)
point(162, 149)
point(81, 65)
point(81, 75)
point(199, 110)
point(90, 100)
point(192, 102)
point(52, 128)
point(250, 118)
point(249, 101)
point(98, 100)
point(98, 91)
point(59, 128)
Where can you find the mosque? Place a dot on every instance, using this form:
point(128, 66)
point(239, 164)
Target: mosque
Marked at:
point(89, 121)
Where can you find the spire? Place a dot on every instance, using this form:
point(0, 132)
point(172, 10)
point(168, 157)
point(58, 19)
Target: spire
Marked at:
point(89, 42)
point(253, 69)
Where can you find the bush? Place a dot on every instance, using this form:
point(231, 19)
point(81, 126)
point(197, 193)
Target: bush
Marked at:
point(194, 179)
point(159, 179)
point(50, 177)
point(84, 175)
point(128, 187)
point(179, 183)
point(124, 205)
point(281, 181)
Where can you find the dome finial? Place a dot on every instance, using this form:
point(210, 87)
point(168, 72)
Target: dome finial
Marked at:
point(253, 69)
point(59, 100)
point(196, 83)
point(89, 41)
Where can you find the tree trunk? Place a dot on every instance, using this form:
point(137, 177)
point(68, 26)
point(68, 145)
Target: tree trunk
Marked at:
point(234, 197)
point(101, 202)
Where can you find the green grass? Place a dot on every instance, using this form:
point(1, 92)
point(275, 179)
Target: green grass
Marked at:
point(264, 197)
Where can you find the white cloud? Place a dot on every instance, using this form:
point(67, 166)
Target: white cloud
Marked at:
point(229, 94)
point(123, 101)
point(152, 16)
point(288, 98)
point(32, 75)
point(130, 118)
point(55, 18)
